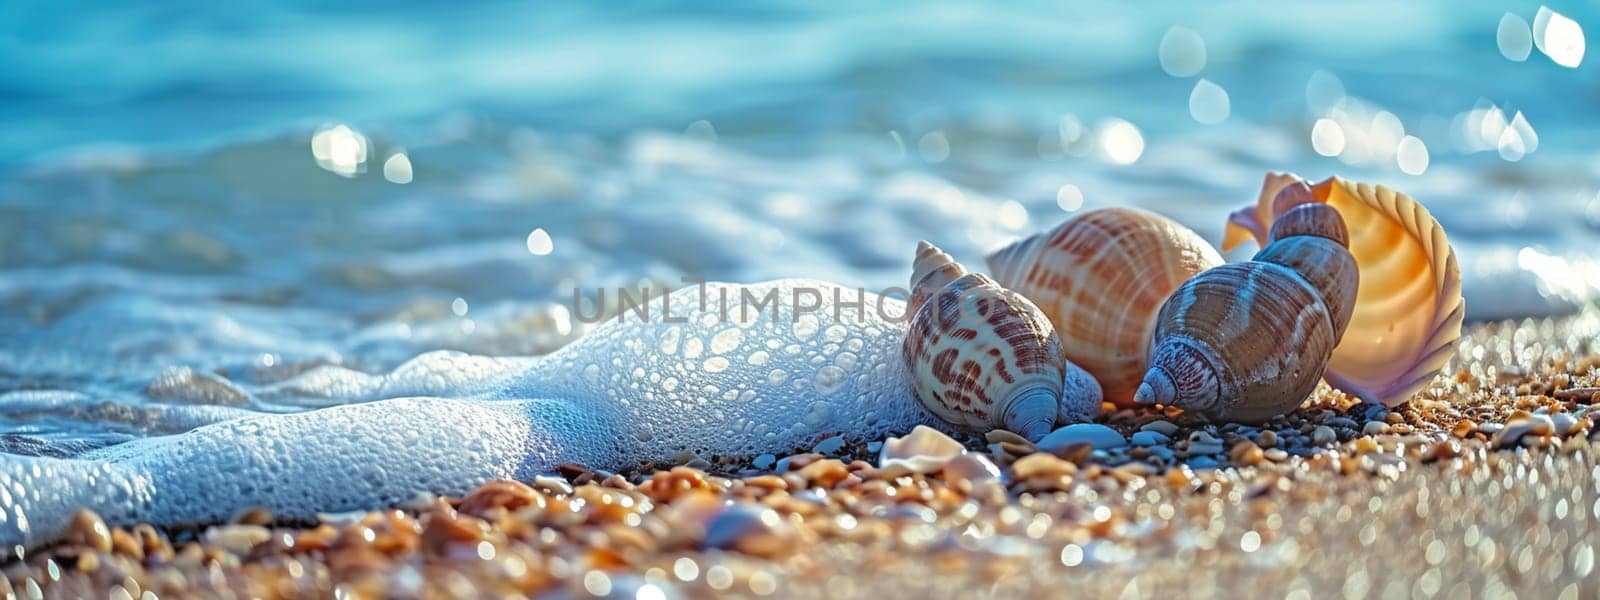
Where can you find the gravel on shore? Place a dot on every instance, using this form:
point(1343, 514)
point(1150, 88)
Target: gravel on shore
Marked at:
point(1486, 485)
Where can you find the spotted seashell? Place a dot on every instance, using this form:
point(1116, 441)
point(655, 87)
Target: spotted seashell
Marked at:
point(1101, 277)
point(1407, 316)
point(1249, 341)
point(983, 357)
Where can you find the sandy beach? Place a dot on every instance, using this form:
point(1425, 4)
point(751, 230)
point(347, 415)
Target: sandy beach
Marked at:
point(1487, 484)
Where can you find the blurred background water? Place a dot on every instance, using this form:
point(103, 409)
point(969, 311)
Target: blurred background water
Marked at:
point(199, 200)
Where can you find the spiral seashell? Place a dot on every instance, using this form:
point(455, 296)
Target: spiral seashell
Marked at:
point(1407, 317)
point(1101, 278)
point(981, 356)
point(1249, 341)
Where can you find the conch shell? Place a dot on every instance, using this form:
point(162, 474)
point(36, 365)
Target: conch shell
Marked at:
point(1407, 318)
point(1101, 278)
point(981, 356)
point(1248, 341)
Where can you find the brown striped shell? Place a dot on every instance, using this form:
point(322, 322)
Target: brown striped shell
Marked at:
point(1407, 317)
point(981, 357)
point(1249, 341)
point(1101, 277)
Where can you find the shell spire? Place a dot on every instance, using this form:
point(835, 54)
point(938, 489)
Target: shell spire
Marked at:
point(1406, 321)
point(1101, 278)
point(932, 269)
point(1249, 341)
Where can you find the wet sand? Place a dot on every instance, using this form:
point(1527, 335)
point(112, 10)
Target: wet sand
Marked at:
point(1487, 484)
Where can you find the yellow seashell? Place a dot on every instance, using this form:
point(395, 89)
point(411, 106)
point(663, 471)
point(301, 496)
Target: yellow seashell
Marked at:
point(1408, 311)
point(1101, 277)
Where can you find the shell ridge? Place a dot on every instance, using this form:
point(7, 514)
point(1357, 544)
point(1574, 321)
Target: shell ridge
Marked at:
point(1448, 306)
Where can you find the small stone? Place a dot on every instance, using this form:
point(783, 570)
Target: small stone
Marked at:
point(89, 530)
point(1523, 425)
point(1041, 465)
point(1324, 436)
point(765, 461)
point(1166, 428)
point(999, 436)
point(1276, 454)
point(1442, 450)
point(1246, 454)
point(1345, 422)
point(829, 446)
point(1094, 434)
point(1203, 462)
point(1463, 428)
point(1563, 423)
point(874, 447)
point(551, 484)
point(751, 529)
point(1149, 438)
point(825, 473)
point(237, 539)
point(1375, 428)
point(1267, 439)
point(253, 516)
point(971, 467)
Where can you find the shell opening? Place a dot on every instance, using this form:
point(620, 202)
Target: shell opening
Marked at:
point(1032, 413)
point(1183, 375)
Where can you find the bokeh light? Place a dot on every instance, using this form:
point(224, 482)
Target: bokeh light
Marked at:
point(1182, 52)
point(1121, 141)
point(1208, 103)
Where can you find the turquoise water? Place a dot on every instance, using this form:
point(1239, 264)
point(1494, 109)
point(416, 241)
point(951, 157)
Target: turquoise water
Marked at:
point(252, 190)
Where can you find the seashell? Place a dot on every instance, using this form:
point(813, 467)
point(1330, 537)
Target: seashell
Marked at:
point(924, 450)
point(1101, 277)
point(1407, 316)
point(1249, 341)
point(981, 356)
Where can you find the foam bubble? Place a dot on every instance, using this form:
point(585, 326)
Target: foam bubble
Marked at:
point(493, 418)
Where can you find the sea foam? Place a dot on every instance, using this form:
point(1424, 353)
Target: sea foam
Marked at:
point(713, 378)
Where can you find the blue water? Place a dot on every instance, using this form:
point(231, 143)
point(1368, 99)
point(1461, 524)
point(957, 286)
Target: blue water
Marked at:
point(162, 207)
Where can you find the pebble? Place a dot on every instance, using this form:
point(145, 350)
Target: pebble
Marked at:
point(1519, 426)
point(1203, 462)
point(1563, 423)
point(1246, 454)
point(88, 529)
point(1149, 438)
point(829, 446)
point(1096, 435)
point(1345, 422)
point(1000, 436)
point(237, 539)
point(1041, 465)
point(764, 461)
point(551, 484)
point(1375, 428)
point(1267, 439)
point(1324, 436)
point(1166, 428)
point(751, 529)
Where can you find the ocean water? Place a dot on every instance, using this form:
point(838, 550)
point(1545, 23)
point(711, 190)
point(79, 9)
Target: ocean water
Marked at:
point(204, 206)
